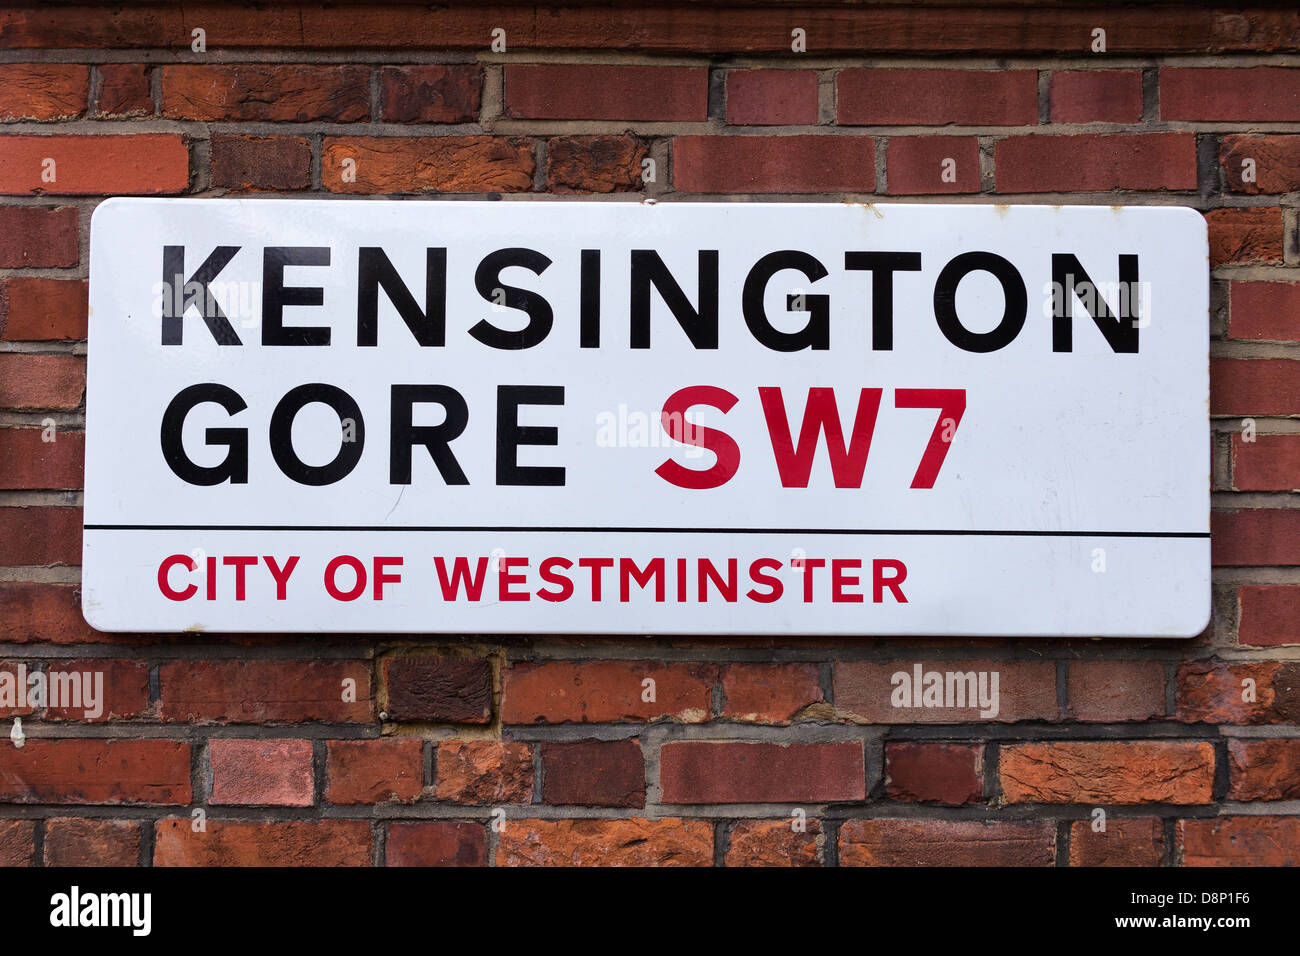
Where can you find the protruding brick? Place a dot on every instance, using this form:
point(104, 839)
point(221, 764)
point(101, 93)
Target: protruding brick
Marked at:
point(1255, 537)
point(593, 773)
point(1109, 691)
point(1254, 94)
point(1096, 96)
point(442, 689)
point(430, 93)
point(1264, 310)
point(774, 843)
point(1111, 772)
point(930, 165)
point(154, 772)
point(1261, 164)
point(262, 773)
point(1264, 769)
point(1138, 842)
point(43, 91)
point(1093, 162)
point(28, 462)
point(597, 92)
point(902, 97)
point(934, 772)
point(124, 90)
point(390, 769)
point(272, 92)
point(74, 841)
point(38, 309)
point(142, 164)
point(1256, 692)
point(257, 691)
point(733, 772)
point(946, 843)
point(38, 237)
point(635, 842)
point(771, 97)
point(40, 536)
point(1240, 841)
point(280, 163)
point(594, 164)
point(597, 692)
point(484, 772)
point(444, 164)
point(770, 693)
point(774, 164)
point(1244, 236)
point(262, 843)
point(872, 692)
point(17, 842)
point(436, 843)
point(1270, 615)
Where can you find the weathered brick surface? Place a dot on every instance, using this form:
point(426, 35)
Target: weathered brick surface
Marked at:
point(1107, 772)
point(484, 772)
point(631, 842)
point(444, 689)
point(1137, 842)
point(946, 843)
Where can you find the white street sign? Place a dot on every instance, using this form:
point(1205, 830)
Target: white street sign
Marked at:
point(614, 417)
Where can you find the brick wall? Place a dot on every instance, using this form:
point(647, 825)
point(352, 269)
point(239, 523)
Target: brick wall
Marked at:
point(1190, 747)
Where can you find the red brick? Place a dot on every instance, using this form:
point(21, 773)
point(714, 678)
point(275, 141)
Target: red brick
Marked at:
point(934, 772)
point(271, 92)
point(1258, 93)
point(15, 674)
point(262, 843)
point(1111, 691)
point(1091, 162)
point(864, 691)
point(635, 842)
point(1243, 236)
point(593, 773)
point(443, 689)
point(1096, 96)
point(1121, 772)
point(27, 462)
point(40, 613)
point(1214, 691)
point(771, 97)
point(1264, 310)
point(917, 165)
point(430, 93)
point(261, 162)
point(154, 772)
point(1249, 387)
point(599, 692)
point(38, 237)
point(375, 771)
point(1240, 841)
point(1270, 615)
point(41, 381)
point(40, 536)
point(893, 97)
point(622, 93)
point(1268, 463)
point(1258, 537)
point(1138, 842)
point(35, 309)
point(1264, 769)
point(436, 843)
point(254, 691)
point(124, 90)
point(770, 693)
point(73, 841)
point(774, 164)
point(1275, 161)
point(261, 773)
point(101, 165)
point(17, 842)
point(734, 772)
point(594, 164)
point(444, 164)
point(43, 91)
point(124, 693)
point(774, 843)
point(484, 772)
point(946, 843)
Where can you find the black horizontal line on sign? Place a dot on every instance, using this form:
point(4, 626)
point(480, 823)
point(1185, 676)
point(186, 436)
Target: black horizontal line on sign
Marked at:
point(574, 530)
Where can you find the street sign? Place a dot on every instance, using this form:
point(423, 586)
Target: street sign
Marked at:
point(673, 418)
